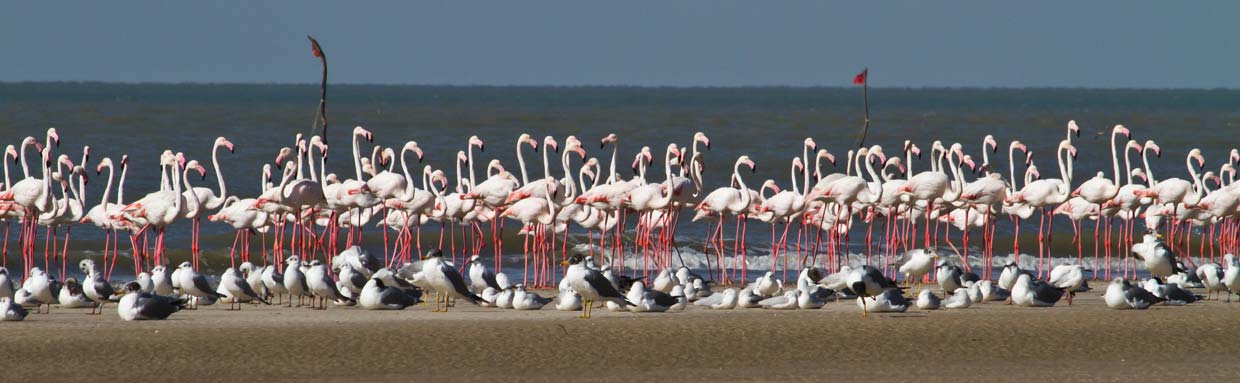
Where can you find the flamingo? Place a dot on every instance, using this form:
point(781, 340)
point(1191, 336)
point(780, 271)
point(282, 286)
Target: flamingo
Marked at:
point(725, 200)
point(1048, 192)
point(1099, 190)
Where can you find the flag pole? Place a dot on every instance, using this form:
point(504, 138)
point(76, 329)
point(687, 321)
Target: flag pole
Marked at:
point(864, 78)
point(321, 117)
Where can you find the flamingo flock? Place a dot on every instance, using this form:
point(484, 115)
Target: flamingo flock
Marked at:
point(628, 222)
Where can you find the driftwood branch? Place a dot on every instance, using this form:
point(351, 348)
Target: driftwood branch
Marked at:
point(321, 117)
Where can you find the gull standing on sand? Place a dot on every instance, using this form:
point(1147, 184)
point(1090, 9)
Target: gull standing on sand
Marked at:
point(95, 286)
point(445, 280)
point(321, 284)
point(139, 305)
point(591, 285)
point(195, 284)
point(1231, 275)
point(273, 280)
point(377, 296)
point(949, 277)
point(915, 264)
point(238, 289)
point(1068, 278)
point(161, 281)
point(37, 289)
point(479, 276)
point(867, 281)
point(1029, 292)
point(1155, 255)
point(295, 280)
point(11, 311)
point(6, 284)
point(1211, 276)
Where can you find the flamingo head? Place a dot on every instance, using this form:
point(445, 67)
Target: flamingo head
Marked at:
point(1150, 145)
point(1195, 154)
point(701, 137)
point(10, 151)
point(413, 147)
point(1121, 130)
point(744, 160)
point(360, 131)
point(877, 151)
point(221, 141)
point(194, 165)
point(475, 141)
point(968, 160)
point(576, 148)
point(525, 138)
point(823, 153)
point(771, 184)
point(124, 160)
point(797, 165)
point(282, 155)
point(181, 159)
point(610, 138)
point(1073, 128)
point(989, 141)
point(105, 163)
point(64, 160)
point(1018, 145)
point(809, 143)
point(1138, 173)
point(53, 136)
point(550, 143)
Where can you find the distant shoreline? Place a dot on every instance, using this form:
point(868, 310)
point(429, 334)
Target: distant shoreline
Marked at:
point(611, 86)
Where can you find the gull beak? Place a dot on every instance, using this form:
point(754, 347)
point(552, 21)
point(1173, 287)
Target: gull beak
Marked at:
point(564, 263)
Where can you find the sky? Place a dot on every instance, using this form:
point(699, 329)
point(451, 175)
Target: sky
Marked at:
point(1129, 44)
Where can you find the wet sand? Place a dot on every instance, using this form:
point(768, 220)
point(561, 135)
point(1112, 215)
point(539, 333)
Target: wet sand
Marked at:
point(992, 341)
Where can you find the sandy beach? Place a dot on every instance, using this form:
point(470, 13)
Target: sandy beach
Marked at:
point(992, 341)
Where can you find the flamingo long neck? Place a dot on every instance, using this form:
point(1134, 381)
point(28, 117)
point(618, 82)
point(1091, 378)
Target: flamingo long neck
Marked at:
point(107, 190)
point(611, 177)
point(219, 177)
point(546, 165)
point(550, 217)
point(804, 161)
point(357, 158)
point(1127, 165)
point(957, 185)
point(1012, 169)
point(176, 188)
point(1063, 171)
point(120, 184)
point(1115, 158)
point(310, 162)
point(875, 188)
point(78, 190)
point(301, 152)
point(22, 155)
point(470, 165)
point(696, 173)
point(860, 156)
point(7, 185)
point(985, 157)
point(935, 161)
point(792, 174)
point(848, 166)
point(746, 199)
point(323, 167)
point(408, 180)
point(908, 160)
point(163, 178)
point(525, 180)
point(667, 166)
point(581, 178)
point(1145, 162)
point(459, 186)
point(1192, 172)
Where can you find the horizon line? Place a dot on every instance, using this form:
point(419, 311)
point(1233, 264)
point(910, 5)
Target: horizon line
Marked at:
point(754, 86)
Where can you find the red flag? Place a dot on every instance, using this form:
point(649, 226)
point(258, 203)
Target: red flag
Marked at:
point(860, 79)
point(314, 45)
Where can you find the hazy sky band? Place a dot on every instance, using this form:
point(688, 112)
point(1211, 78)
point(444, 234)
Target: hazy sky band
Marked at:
point(680, 43)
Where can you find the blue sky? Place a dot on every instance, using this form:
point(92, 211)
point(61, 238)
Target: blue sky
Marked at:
point(681, 43)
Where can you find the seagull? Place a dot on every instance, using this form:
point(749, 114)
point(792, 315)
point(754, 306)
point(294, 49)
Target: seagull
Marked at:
point(837, 281)
point(161, 281)
point(239, 290)
point(867, 281)
point(810, 300)
point(682, 300)
point(1155, 255)
point(788, 301)
point(767, 285)
point(645, 300)
point(445, 280)
point(916, 263)
point(479, 277)
point(748, 299)
point(273, 280)
point(1011, 271)
point(376, 295)
point(321, 284)
point(1231, 276)
point(1122, 295)
point(1068, 278)
point(139, 305)
point(1171, 294)
point(958, 300)
point(948, 276)
point(11, 311)
point(665, 281)
point(360, 259)
point(992, 292)
point(1211, 275)
point(567, 300)
point(145, 282)
point(1031, 292)
point(726, 300)
point(72, 296)
point(253, 276)
point(37, 290)
point(295, 280)
point(351, 279)
point(889, 300)
point(926, 300)
point(527, 300)
point(195, 284)
point(975, 291)
point(591, 285)
point(95, 286)
point(6, 284)
point(503, 299)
